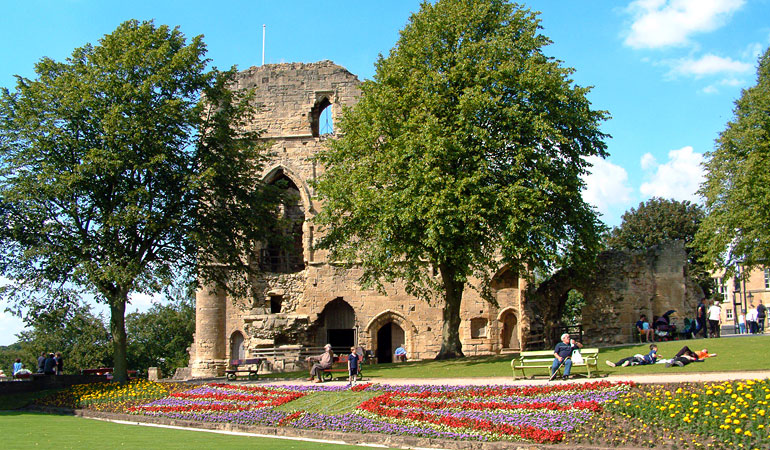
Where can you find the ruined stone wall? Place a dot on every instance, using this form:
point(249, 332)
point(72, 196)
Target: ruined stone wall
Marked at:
point(290, 97)
point(321, 296)
point(628, 284)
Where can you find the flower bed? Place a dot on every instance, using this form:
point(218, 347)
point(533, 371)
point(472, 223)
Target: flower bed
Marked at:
point(108, 396)
point(719, 415)
point(539, 414)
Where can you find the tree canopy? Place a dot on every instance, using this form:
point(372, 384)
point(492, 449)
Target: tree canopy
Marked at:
point(658, 220)
point(161, 336)
point(737, 186)
point(80, 336)
point(121, 168)
point(465, 153)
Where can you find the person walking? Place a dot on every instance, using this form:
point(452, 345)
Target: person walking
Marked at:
point(751, 319)
point(715, 319)
point(741, 322)
point(700, 317)
point(353, 362)
point(761, 313)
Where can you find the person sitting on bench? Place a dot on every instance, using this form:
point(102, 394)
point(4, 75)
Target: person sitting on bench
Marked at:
point(400, 353)
point(321, 362)
point(563, 354)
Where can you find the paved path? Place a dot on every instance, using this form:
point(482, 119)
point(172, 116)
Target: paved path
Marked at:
point(641, 378)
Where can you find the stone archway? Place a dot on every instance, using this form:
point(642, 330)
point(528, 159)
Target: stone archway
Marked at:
point(237, 348)
point(386, 331)
point(509, 330)
point(337, 325)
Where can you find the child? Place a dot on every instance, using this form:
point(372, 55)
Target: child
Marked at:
point(640, 360)
point(352, 366)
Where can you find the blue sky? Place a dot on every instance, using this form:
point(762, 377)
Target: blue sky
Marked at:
point(668, 71)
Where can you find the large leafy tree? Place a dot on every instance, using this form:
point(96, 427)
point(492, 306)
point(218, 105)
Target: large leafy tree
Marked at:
point(737, 187)
point(658, 220)
point(465, 153)
point(121, 168)
point(80, 336)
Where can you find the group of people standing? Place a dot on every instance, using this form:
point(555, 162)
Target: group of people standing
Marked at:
point(50, 363)
point(47, 364)
point(709, 319)
point(752, 322)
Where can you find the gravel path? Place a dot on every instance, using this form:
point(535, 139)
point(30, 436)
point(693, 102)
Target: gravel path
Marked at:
point(645, 378)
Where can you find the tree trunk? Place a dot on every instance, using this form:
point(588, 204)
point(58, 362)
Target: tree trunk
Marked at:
point(450, 331)
point(118, 330)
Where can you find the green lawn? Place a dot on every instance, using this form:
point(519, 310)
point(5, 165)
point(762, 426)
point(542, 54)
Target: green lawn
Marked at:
point(734, 354)
point(22, 430)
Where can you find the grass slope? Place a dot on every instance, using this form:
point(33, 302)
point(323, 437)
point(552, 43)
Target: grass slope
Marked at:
point(734, 354)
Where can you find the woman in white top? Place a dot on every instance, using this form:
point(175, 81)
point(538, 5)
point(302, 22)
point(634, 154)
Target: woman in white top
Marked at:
point(742, 323)
point(751, 318)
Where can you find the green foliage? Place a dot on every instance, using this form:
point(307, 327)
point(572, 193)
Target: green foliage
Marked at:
point(80, 336)
point(464, 152)
point(658, 220)
point(115, 176)
point(160, 337)
point(572, 313)
point(737, 187)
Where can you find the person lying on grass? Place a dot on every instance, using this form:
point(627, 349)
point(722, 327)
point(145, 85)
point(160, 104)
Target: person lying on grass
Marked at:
point(686, 356)
point(637, 360)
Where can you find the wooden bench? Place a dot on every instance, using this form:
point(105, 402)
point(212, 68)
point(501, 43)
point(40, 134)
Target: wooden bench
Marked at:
point(107, 371)
point(251, 372)
point(340, 364)
point(543, 359)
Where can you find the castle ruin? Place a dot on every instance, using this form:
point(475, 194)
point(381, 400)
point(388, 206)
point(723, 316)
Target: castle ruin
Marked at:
point(303, 299)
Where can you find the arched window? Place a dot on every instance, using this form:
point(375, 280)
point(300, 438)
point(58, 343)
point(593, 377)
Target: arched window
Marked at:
point(321, 119)
point(237, 350)
point(286, 255)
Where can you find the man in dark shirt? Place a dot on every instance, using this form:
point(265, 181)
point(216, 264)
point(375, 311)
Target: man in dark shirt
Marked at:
point(41, 363)
point(563, 354)
point(49, 366)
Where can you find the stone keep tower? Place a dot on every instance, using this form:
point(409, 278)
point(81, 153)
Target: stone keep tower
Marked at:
point(304, 299)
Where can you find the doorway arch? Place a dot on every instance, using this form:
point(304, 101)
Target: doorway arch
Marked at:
point(337, 325)
point(394, 329)
point(389, 336)
point(509, 333)
point(237, 348)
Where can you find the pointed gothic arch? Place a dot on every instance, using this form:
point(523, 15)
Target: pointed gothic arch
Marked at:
point(395, 328)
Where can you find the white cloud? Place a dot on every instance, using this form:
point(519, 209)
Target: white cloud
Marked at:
point(663, 23)
point(606, 186)
point(648, 161)
point(679, 178)
point(710, 89)
point(709, 65)
point(753, 51)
